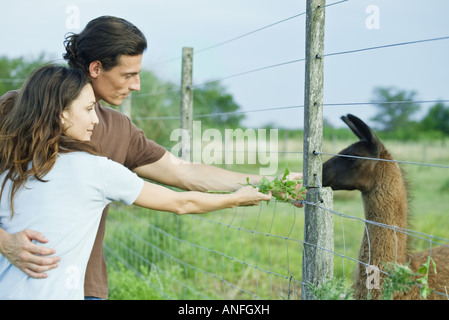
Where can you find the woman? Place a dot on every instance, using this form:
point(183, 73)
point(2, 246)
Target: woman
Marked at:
point(53, 180)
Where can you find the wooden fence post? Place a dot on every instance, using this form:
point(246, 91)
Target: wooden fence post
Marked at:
point(186, 103)
point(319, 226)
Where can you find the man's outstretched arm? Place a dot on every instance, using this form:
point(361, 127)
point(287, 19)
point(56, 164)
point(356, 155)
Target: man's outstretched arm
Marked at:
point(172, 171)
point(175, 172)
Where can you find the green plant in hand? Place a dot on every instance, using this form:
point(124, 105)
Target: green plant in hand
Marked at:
point(282, 189)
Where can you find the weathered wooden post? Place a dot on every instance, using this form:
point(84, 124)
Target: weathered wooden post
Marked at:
point(186, 103)
point(319, 225)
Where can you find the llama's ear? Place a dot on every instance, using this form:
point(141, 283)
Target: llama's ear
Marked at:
point(362, 131)
point(351, 125)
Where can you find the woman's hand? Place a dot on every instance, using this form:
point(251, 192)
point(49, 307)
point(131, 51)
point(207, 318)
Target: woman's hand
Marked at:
point(250, 196)
point(297, 201)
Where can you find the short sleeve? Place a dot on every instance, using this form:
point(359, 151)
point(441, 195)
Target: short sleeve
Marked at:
point(119, 183)
point(121, 140)
point(141, 150)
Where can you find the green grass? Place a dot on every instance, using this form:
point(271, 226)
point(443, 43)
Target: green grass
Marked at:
point(256, 252)
point(211, 256)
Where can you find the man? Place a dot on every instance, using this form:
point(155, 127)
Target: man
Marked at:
point(109, 50)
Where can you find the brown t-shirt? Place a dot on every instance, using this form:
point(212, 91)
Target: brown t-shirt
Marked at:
point(120, 140)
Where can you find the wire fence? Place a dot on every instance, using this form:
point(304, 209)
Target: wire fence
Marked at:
point(254, 252)
point(230, 254)
point(244, 253)
point(257, 252)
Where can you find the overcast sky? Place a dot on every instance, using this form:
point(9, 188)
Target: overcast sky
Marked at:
point(30, 27)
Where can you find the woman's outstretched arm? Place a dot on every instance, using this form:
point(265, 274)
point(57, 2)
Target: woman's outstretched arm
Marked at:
point(160, 198)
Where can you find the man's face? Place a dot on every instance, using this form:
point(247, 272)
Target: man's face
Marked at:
point(115, 85)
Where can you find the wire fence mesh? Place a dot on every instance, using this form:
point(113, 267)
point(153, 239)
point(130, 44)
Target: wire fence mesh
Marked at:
point(248, 253)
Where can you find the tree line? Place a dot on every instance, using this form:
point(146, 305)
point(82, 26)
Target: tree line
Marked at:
point(156, 108)
point(396, 117)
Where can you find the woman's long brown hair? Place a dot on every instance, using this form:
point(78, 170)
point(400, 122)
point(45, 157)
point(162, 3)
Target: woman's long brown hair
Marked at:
point(31, 133)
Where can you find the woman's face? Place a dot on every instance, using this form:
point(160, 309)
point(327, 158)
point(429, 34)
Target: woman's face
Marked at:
point(80, 117)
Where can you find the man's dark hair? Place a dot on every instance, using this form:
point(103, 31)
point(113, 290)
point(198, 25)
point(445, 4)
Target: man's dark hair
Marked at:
point(104, 39)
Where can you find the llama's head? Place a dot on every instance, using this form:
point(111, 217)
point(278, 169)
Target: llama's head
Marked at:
point(348, 173)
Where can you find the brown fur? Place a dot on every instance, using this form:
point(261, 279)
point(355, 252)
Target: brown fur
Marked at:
point(385, 200)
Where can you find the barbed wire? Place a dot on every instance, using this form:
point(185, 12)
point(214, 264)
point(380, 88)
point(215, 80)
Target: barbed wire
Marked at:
point(190, 245)
point(379, 159)
point(386, 46)
point(442, 242)
point(337, 155)
point(225, 42)
point(294, 107)
point(109, 246)
point(253, 232)
point(325, 55)
point(303, 59)
point(219, 114)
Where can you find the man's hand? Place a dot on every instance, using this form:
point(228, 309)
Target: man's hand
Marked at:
point(19, 249)
point(295, 176)
point(250, 196)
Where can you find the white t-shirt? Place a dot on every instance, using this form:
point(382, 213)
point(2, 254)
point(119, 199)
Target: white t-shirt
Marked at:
point(67, 211)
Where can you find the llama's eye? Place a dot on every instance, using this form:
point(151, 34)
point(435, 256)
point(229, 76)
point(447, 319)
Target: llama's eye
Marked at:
point(350, 159)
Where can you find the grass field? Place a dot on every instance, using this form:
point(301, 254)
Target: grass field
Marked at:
point(256, 253)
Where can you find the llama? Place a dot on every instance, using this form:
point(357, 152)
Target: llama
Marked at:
point(385, 201)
